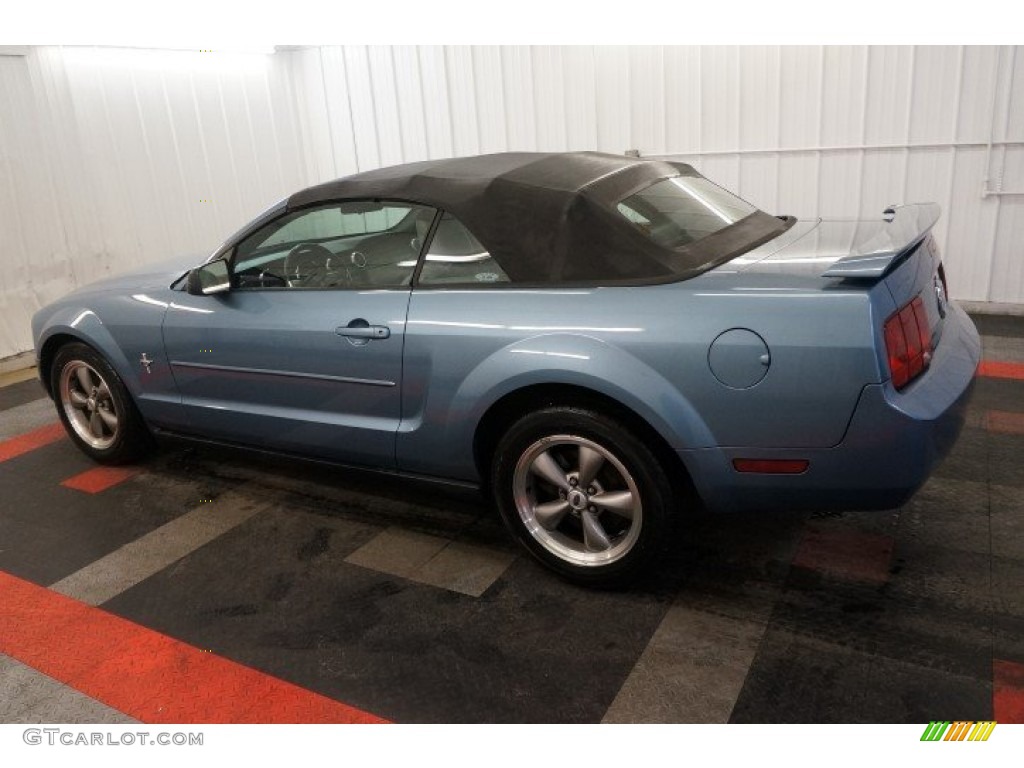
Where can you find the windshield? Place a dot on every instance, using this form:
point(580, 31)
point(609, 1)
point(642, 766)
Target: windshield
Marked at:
point(681, 210)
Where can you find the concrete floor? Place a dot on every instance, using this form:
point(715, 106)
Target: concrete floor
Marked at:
point(212, 585)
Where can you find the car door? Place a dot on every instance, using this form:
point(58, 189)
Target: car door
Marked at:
point(304, 353)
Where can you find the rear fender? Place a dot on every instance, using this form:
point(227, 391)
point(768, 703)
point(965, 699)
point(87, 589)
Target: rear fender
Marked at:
point(580, 361)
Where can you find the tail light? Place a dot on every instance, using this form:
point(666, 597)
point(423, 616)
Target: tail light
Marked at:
point(908, 342)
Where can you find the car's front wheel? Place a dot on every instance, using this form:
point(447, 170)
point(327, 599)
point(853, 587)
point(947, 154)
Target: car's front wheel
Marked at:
point(95, 406)
point(584, 494)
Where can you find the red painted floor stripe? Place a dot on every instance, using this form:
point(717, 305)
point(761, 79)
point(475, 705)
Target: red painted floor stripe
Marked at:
point(100, 478)
point(16, 446)
point(144, 674)
point(845, 554)
point(1006, 422)
point(1000, 370)
point(1007, 691)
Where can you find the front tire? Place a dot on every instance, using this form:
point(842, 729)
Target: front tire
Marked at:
point(95, 407)
point(584, 495)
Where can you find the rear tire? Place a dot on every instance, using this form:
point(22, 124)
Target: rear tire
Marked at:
point(95, 407)
point(584, 495)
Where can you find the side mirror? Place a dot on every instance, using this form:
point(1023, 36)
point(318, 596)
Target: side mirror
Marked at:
point(209, 279)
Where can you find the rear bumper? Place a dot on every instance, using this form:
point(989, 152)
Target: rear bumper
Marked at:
point(893, 443)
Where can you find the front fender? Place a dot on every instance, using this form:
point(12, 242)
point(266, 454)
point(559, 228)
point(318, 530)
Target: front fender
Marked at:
point(83, 324)
point(440, 439)
point(122, 329)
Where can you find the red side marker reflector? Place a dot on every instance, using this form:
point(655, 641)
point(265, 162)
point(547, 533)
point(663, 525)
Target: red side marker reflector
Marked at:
point(100, 478)
point(148, 676)
point(16, 446)
point(1000, 370)
point(771, 466)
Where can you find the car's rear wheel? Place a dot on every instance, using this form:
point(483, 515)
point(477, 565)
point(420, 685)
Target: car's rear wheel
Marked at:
point(583, 494)
point(95, 407)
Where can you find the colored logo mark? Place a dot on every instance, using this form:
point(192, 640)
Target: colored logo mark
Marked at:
point(960, 730)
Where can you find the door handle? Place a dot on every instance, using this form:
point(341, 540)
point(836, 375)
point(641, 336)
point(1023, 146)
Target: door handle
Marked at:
point(360, 329)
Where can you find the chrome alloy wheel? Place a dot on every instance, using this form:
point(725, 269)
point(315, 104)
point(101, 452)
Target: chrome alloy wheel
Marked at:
point(88, 404)
point(577, 500)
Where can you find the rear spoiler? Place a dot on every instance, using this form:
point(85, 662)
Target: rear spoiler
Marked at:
point(908, 226)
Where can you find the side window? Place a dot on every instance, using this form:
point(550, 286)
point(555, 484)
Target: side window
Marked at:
point(354, 244)
point(455, 256)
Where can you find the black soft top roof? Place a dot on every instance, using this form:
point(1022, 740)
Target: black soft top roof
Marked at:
point(545, 217)
point(445, 182)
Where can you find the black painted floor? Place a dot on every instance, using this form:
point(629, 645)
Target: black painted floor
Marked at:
point(896, 616)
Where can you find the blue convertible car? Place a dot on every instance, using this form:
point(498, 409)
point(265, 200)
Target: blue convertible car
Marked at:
point(602, 342)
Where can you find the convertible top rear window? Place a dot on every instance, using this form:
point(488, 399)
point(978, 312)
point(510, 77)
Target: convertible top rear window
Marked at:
point(681, 210)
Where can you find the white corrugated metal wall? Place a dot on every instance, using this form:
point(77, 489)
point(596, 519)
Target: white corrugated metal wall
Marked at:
point(115, 158)
point(112, 158)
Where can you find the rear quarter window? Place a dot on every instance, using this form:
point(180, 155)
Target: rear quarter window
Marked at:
point(456, 257)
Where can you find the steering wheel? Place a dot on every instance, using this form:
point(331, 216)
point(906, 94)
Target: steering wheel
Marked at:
point(309, 265)
point(356, 265)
